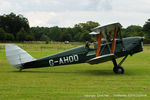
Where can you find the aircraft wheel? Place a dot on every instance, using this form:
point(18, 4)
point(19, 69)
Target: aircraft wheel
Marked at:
point(118, 70)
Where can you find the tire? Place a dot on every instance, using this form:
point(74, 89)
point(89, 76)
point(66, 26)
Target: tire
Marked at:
point(118, 70)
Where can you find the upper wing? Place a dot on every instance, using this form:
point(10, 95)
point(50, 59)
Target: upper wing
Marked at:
point(101, 59)
point(109, 27)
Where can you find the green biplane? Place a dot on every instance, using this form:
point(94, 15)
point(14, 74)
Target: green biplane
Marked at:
point(109, 46)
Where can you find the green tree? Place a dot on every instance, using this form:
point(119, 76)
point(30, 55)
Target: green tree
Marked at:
point(29, 37)
point(2, 35)
point(84, 29)
point(88, 25)
point(13, 23)
point(44, 38)
point(132, 30)
point(21, 35)
point(55, 33)
point(10, 37)
point(146, 29)
point(62, 34)
point(77, 36)
point(85, 36)
point(66, 37)
point(37, 32)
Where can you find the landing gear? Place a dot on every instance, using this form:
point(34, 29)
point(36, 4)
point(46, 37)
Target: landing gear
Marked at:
point(118, 69)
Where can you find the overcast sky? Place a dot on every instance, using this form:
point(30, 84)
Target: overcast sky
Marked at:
point(67, 13)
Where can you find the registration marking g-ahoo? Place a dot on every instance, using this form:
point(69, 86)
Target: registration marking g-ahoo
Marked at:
point(65, 60)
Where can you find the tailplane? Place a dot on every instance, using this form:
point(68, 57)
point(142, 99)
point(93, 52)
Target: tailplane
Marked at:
point(17, 56)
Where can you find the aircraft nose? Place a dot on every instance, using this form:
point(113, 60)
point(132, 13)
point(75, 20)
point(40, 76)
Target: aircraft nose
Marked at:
point(142, 38)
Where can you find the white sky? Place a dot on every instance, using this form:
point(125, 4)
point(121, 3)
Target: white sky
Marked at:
point(67, 13)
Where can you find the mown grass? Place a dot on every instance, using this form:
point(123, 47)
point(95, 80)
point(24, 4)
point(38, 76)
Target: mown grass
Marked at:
point(80, 81)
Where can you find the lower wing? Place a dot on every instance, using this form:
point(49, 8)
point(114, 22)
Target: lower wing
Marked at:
point(101, 59)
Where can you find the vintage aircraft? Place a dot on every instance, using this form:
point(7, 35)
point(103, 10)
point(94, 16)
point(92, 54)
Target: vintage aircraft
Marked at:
point(109, 46)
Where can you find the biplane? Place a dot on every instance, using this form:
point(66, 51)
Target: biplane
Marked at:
point(109, 46)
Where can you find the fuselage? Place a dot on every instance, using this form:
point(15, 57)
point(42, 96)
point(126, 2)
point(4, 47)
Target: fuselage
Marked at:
point(128, 46)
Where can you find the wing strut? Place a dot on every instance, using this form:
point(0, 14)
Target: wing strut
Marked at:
point(114, 37)
point(98, 38)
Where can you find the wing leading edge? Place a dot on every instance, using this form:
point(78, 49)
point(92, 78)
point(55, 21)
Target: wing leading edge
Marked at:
point(109, 27)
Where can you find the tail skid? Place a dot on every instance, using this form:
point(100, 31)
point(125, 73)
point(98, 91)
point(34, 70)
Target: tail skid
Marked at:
point(17, 56)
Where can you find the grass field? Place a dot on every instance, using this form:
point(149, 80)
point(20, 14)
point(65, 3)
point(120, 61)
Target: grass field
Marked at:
point(74, 82)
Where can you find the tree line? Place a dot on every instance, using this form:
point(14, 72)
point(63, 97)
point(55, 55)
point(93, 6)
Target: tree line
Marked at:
point(16, 28)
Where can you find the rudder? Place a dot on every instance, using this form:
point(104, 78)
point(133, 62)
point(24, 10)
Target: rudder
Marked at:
point(17, 56)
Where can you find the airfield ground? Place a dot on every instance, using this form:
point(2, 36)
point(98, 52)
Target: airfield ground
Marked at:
point(74, 82)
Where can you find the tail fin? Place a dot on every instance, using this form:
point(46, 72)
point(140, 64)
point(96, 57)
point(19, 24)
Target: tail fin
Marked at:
point(17, 56)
